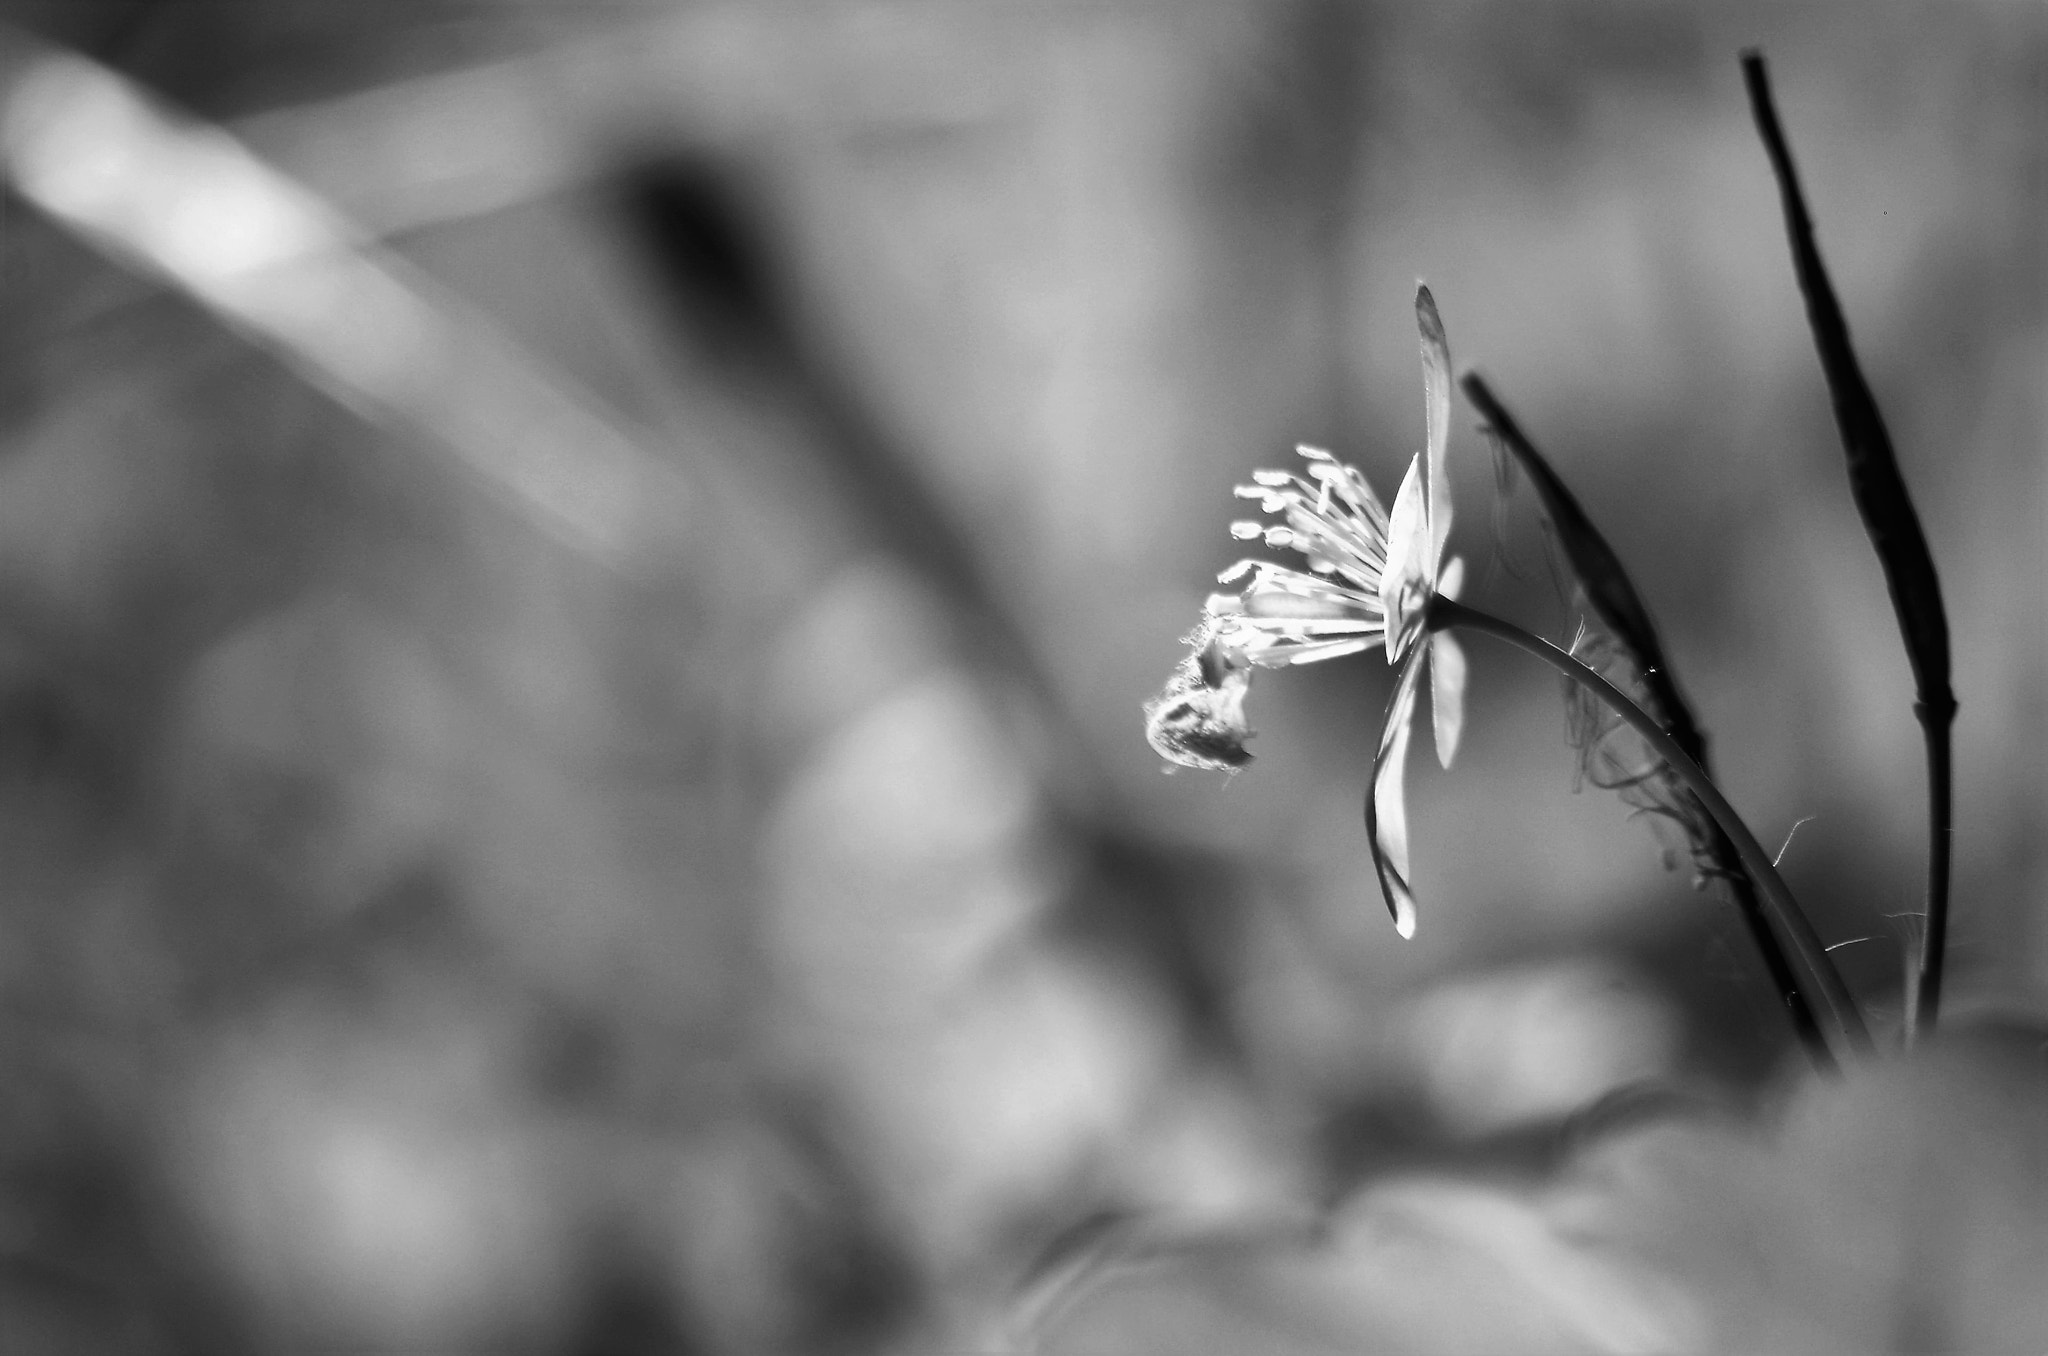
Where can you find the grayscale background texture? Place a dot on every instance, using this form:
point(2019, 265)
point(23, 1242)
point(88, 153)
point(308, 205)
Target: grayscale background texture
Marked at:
point(577, 787)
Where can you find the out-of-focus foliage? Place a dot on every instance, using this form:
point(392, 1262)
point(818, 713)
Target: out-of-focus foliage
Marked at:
point(423, 928)
point(1906, 1211)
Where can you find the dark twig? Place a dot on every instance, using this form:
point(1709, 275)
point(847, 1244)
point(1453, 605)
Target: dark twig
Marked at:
point(1613, 597)
point(1894, 529)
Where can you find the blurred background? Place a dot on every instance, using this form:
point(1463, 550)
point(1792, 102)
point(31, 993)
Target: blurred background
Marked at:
point(576, 581)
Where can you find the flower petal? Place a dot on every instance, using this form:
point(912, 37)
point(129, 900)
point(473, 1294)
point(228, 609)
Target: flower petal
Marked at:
point(1386, 804)
point(1406, 578)
point(1450, 582)
point(1446, 694)
point(1436, 390)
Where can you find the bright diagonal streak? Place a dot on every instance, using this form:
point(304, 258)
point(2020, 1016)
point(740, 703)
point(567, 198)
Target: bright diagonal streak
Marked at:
point(186, 202)
point(1790, 833)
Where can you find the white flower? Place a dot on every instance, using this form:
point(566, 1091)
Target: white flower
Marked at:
point(1370, 577)
point(1415, 573)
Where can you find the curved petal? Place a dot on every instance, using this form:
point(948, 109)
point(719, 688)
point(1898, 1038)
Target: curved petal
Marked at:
point(1446, 694)
point(1436, 390)
point(1386, 803)
point(1450, 581)
point(1406, 579)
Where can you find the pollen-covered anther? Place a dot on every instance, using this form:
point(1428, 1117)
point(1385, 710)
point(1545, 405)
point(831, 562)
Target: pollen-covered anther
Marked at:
point(1244, 529)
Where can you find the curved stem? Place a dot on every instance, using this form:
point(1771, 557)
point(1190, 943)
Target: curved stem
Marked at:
point(1791, 993)
point(1777, 900)
point(1612, 596)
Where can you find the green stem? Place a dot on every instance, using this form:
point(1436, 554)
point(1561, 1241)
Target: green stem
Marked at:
point(1841, 1011)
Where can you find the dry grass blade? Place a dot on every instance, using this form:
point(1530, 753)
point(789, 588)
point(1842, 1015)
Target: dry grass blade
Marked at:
point(1609, 591)
point(1889, 517)
point(461, 142)
point(181, 201)
point(1623, 647)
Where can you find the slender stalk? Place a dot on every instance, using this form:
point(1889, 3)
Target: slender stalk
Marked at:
point(1791, 993)
point(1921, 1015)
point(1840, 1008)
point(1881, 497)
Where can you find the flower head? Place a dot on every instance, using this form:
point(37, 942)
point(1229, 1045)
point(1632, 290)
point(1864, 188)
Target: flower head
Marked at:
point(1417, 530)
point(1370, 577)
